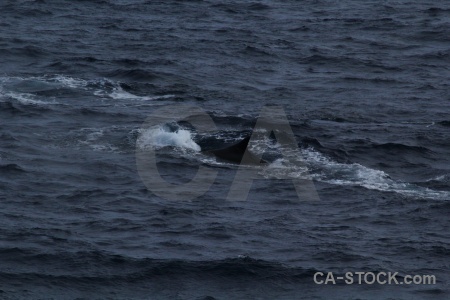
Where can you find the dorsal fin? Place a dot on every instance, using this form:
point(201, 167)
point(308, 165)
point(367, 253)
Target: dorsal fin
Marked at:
point(241, 145)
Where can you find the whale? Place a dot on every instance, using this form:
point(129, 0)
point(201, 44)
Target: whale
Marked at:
point(235, 152)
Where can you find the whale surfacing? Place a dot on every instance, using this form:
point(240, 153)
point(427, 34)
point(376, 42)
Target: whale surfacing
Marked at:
point(235, 152)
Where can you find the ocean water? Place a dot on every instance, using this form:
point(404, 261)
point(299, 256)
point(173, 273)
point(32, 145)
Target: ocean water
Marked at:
point(365, 87)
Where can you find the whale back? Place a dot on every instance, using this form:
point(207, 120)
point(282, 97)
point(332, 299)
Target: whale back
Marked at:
point(235, 152)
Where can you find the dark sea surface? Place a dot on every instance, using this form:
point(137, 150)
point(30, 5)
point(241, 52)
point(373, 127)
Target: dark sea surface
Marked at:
point(366, 89)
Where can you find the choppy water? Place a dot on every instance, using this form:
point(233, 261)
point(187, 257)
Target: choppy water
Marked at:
point(366, 89)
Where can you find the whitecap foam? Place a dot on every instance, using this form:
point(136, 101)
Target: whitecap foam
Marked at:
point(12, 87)
point(323, 169)
point(25, 98)
point(118, 93)
point(67, 81)
point(440, 178)
point(96, 138)
point(103, 87)
point(161, 136)
point(60, 80)
point(307, 163)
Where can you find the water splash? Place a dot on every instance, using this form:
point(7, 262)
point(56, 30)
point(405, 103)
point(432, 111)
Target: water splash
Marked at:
point(163, 136)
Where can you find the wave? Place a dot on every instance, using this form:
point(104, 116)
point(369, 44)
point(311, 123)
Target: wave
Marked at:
point(255, 51)
point(27, 51)
point(105, 139)
point(37, 89)
point(437, 182)
point(7, 106)
point(320, 59)
point(444, 123)
point(11, 168)
point(135, 269)
point(258, 6)
point(434, 10)
point(321, 168)
point(118, 93)
point(133, 74)
point(325, 170)
point(373, 79)
point(401, 147)
point(26, 98)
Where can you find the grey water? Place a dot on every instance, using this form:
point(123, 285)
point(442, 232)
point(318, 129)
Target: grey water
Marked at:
point(365, 87)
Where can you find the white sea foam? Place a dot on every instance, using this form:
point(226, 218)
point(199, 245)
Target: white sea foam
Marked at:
point(25, 98)
point(161, 136)
point(67, 81)
point(308, 163)
point(323, 169)
point(103, 88)
point(118, 93)
point(96, 139)
point(442, 178)
point(61, 80)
